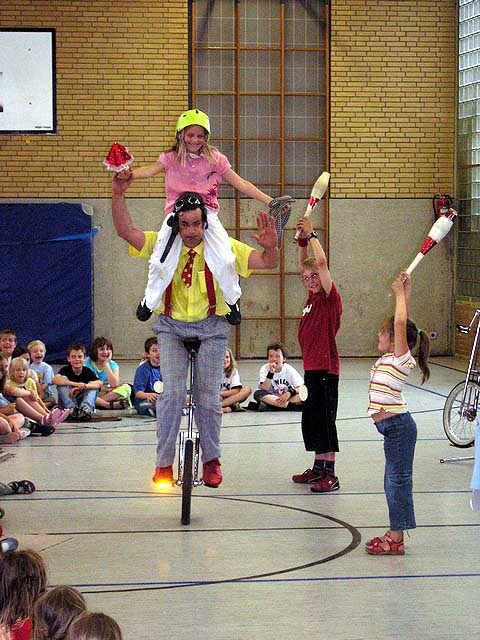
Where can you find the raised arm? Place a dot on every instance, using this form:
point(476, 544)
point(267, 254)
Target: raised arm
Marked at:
point(266, 238)
point(305, 224)
point(121, 218)
point(400, 285)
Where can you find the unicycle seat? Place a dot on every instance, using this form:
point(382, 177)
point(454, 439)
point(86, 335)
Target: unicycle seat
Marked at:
point(192, 344)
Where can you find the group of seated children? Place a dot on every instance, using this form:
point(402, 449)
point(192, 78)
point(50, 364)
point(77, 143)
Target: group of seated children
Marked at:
point(22, 407)
point(279, 384)
point(28, 610)
point(29, 403)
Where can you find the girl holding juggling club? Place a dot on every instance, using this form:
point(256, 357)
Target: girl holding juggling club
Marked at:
point(388, 409)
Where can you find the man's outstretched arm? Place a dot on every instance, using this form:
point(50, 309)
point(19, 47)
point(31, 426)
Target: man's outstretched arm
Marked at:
point(121, 217)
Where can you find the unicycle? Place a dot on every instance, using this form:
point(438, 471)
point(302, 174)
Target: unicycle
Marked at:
point(189, 441)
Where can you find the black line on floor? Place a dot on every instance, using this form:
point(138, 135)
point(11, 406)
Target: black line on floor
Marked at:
point(355, 541)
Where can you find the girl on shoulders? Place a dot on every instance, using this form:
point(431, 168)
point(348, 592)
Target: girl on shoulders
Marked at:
point(193, 165)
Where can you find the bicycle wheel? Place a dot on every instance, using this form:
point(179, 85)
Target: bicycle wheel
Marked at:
point(187, 481)
point(459, 416)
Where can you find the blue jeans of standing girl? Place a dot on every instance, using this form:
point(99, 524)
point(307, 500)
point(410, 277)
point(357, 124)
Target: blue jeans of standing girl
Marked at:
point(399, 438)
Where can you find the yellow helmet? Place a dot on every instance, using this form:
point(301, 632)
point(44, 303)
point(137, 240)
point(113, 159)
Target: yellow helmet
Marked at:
point(193, 116)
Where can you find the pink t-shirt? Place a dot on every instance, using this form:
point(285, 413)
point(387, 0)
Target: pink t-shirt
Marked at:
point(197, 175)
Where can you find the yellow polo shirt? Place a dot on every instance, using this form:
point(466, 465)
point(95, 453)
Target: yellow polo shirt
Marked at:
point(190, 304)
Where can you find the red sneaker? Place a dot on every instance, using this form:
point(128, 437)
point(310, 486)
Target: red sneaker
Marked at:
point(212, 476)
point(307, 477)
point(163, 475)
point(325, 484)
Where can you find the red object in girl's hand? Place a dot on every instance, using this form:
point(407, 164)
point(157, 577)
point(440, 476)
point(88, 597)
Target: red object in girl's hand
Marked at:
point(118, 158)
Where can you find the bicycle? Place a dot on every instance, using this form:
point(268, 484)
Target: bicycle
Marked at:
point(461, 405)
point(189, 441)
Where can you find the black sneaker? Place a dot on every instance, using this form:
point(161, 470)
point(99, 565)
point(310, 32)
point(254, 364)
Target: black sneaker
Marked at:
point(73, 415)
point(234, 316)
point(143, 312)
point(40, 429)
point(84, 414)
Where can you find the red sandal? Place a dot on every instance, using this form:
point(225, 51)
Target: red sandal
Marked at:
point(376, 546)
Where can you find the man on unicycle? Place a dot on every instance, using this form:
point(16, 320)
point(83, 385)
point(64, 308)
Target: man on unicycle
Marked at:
point(192, 306)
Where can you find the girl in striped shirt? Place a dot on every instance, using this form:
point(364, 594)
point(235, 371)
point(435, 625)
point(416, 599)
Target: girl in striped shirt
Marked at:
point(388, 409)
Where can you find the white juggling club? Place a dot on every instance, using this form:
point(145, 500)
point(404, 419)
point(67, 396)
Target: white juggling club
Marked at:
point(318, 191)
point(436, 234)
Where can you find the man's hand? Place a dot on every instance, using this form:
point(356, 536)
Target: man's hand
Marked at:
point(267, 235)
point(120, 185)
point(304, 225)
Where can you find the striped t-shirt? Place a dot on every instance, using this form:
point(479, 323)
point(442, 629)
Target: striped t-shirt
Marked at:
point(387, 377)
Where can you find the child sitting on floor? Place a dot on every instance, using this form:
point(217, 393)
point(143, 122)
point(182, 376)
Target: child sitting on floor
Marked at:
point(19, 414)
point(44, 371)
point(77, 385)
point(113, 394)
point(232, 392)
point(146, 374)
point(279, 382)
point(23, 578)
point(55, 611)
point(19, 385)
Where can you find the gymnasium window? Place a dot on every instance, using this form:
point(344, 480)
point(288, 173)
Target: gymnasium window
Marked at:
point(468, 151)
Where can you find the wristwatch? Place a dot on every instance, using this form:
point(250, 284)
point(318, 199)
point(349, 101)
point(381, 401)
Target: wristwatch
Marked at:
point(313, 234)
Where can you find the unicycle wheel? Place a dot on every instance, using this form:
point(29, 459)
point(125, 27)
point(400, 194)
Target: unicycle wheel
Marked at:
point(187, 482)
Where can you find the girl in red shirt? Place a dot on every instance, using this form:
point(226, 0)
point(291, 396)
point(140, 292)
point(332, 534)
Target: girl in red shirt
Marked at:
point(23, 579)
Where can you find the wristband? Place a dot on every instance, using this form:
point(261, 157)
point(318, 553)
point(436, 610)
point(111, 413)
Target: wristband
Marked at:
point(302, 242)
point(293, 391)
point(312, 234)
point(270, 375)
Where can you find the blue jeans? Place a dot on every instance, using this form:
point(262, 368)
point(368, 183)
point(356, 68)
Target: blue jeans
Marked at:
point(84, 399)
point(145, 408)
point(400, 435)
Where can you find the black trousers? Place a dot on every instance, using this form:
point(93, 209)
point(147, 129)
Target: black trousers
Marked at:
point(319, 413)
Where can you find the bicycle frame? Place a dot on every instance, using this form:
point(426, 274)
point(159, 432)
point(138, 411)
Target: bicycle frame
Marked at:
point(473, 373)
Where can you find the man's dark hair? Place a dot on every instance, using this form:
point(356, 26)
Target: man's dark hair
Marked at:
point(188, 201)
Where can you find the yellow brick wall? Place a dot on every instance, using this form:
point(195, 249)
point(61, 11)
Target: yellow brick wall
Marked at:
point(392, 98)
point(122, 74)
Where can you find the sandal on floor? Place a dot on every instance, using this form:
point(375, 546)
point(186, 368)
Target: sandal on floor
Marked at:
point(385, 546)
point(22, 486)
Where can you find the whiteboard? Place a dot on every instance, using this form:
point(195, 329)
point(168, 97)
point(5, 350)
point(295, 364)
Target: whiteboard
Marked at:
point(27, 81)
